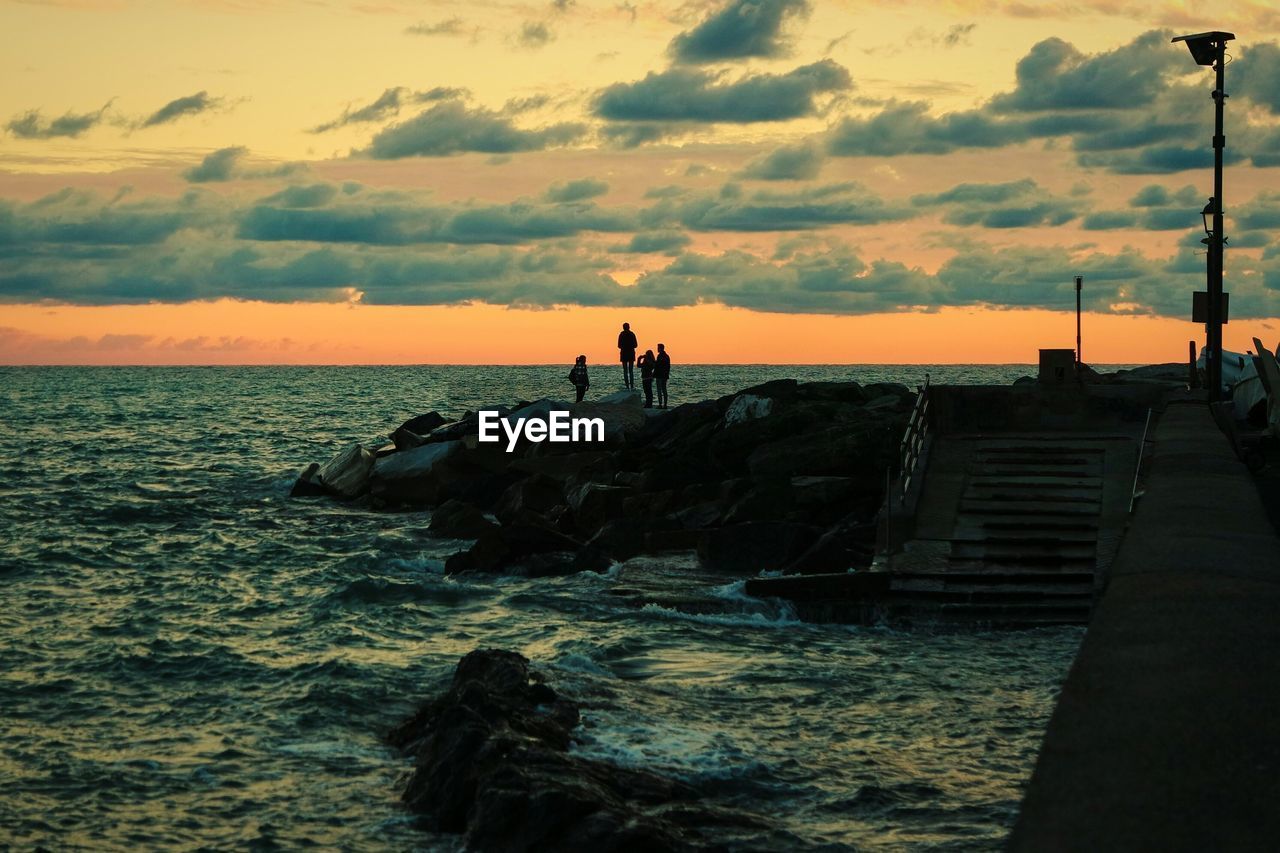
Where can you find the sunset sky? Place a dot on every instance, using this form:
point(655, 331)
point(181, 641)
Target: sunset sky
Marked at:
point(406, 181)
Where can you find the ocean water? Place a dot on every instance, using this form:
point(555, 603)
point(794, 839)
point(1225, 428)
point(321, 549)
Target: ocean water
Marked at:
point(189, 658)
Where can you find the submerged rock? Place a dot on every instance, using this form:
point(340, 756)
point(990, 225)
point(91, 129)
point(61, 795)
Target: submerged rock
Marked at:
point(345, 476)
point(492, 763)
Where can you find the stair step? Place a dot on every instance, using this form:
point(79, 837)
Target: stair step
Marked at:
point(978, 549)
point(1040, 494)
point(1021, 508)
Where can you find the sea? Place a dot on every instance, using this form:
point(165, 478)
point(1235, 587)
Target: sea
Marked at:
point(191, 659)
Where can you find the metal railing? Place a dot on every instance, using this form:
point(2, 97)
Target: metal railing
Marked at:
point(1134, 494)
point(912, 446)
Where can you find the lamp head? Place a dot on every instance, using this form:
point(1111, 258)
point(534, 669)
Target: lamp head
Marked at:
point(1204, 46)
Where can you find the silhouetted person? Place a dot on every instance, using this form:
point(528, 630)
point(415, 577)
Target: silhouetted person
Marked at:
point(647, 364)
point(662, 372)
point(578, 376)
point(627, 354)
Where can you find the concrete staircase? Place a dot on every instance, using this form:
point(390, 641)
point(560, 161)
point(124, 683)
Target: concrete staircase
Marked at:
point(1012, 530)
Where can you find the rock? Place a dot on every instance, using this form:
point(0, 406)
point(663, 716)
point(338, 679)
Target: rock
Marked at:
point(849, 450)
point(849, 545)
point(780, 389)
point(886, 401)
point(538, 494)
point(407, 476)
point(594, 504)
point(347, 475)
point(841, 392)
point(747, 407)
point(622, 398)
point(518, 548)
point(455, 519)
point(307, 486)
point(622, 422)
point(412, 432)
point(492, 763)
point(561, 467)
point(748, 549)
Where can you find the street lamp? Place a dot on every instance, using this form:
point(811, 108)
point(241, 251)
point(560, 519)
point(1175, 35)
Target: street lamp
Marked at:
point(1210, 49)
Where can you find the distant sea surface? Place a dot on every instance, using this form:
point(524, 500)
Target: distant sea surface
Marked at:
point(188, 658)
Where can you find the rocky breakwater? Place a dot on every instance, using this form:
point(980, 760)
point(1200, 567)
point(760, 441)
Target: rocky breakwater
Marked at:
point(493, 762)
point(784, 476)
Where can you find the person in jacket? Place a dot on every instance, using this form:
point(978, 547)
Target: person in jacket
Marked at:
point(647, 364)
point(661, 373)
point(627, 355)
point(578, 376)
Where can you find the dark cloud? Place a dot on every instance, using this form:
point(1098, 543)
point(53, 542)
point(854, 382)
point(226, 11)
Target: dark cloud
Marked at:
point(740, 29)
point(180, 108)
point(389, 104)
point(690, 95)
point(447, 27)
point(788, 163)
point(1263, 211)
point(1158, 195)
point(534, 34)
point(1256, 76)
point(1108, 220)
point(31, 124)
point(451, 128)
point(733, 210)
point(228, 164)
point(907, 128)
point(1056, 76)
point(1015, 204)
point(578, 190)
point(644, 242)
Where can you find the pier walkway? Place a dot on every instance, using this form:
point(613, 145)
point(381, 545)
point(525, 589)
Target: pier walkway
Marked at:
point(1167, 732)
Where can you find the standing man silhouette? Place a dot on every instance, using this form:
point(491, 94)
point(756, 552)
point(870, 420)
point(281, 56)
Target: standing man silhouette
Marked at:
point(627, 355)
point(662, 372)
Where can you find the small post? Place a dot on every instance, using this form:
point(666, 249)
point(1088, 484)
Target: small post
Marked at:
point(1193, 376)
point(1079, 352)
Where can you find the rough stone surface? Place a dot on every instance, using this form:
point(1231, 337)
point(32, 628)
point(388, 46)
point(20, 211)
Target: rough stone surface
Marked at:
point(747, 407)
point(456, 519)
point(492, 763)
point(347, 474)
point(407, 476)
point(748, 549)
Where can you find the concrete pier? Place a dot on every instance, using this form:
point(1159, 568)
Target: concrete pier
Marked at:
point(1167, 732)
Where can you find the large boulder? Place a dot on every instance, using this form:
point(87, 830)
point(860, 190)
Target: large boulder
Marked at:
point(347, 474)
point(623, 421)
point(411, 433)
point(848, 545)
point(492, 763)
point(412, 476)
point(455, 519)
point(747, 407)
point(528, 546)
point(594, 504)
point(861, 450)
point(538, 493)
point(753, 547)
point(307, 486)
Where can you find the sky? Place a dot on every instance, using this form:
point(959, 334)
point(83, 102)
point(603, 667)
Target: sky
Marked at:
point(789, 181)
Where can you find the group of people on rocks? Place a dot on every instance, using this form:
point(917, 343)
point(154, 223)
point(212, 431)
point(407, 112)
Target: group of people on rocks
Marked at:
point(653, 369)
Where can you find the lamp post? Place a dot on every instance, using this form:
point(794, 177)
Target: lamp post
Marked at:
point(1210, 49)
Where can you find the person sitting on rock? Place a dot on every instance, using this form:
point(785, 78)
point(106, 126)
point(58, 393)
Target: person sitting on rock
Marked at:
point(647, 364)
point(627, 354)
point(578, 376)
point(662, 372)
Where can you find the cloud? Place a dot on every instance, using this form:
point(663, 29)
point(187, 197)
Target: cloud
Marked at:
point(451, 128)
point(958, 34)
point(228, 164)
point(534, 34)
point(388, 104)
point(645, 242)
point(788, 163)
point(181, 107)
point(578, 190)
point(31, 124)
point(690, 95)
point(447, 27)
point(1015, 204)
point(813, 207)
point(740, 29)
point(1255, 74)
point(1056, 76)
point(907, 128)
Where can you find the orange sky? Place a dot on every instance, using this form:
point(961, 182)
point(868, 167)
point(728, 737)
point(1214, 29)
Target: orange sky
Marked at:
point(165, 166)
point(229, 332)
